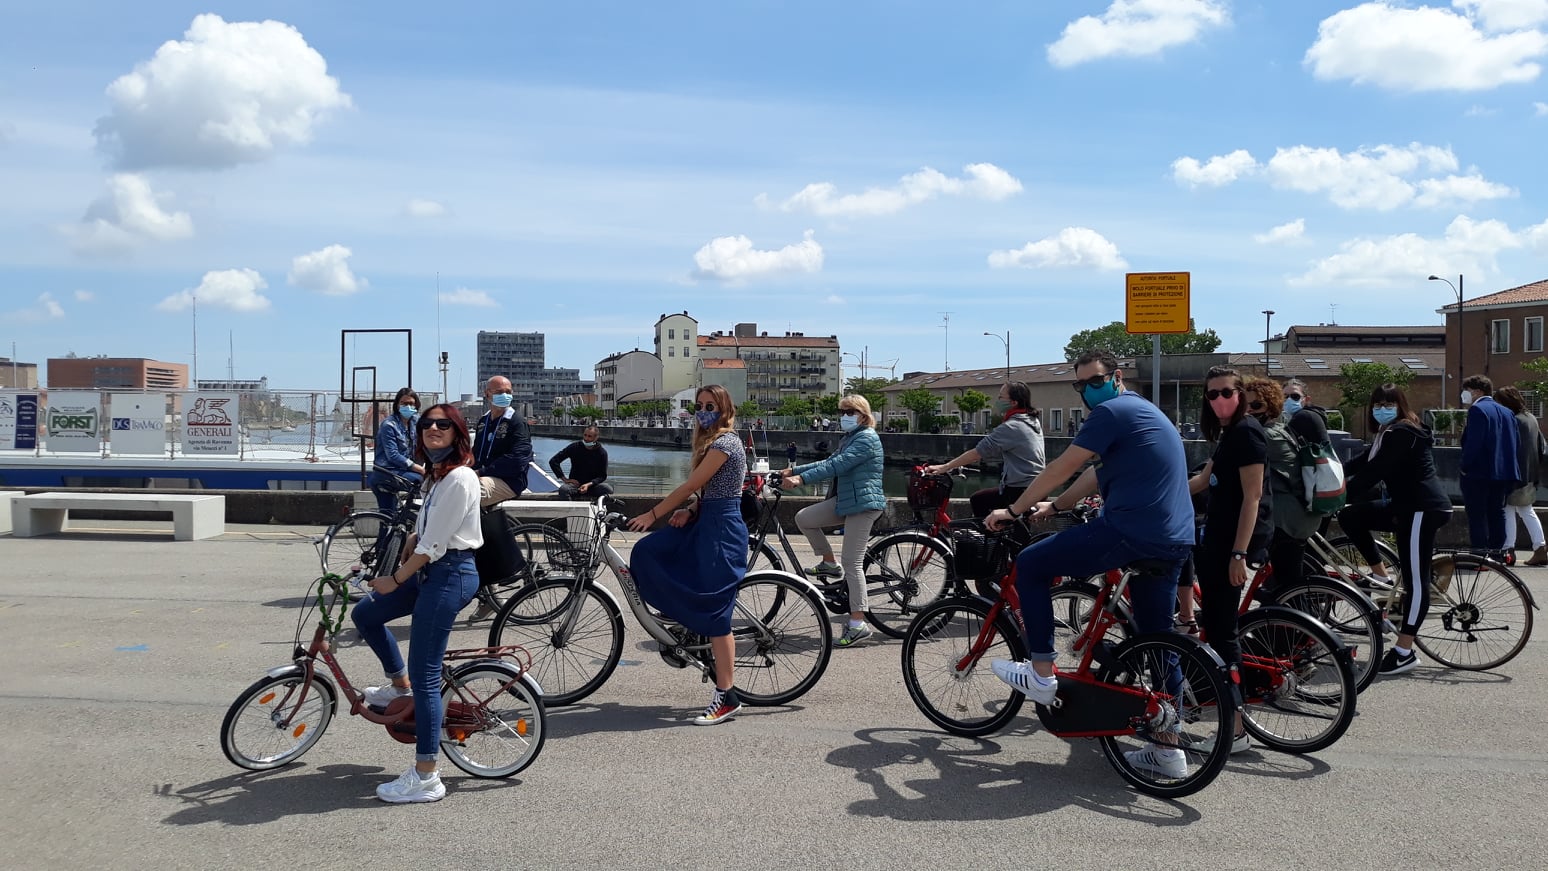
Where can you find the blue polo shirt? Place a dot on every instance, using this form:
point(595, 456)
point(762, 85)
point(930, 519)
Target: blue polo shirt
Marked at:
point(1142, 470)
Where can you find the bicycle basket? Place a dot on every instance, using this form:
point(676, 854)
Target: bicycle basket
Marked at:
point(928, 491)
point(980, 556)
point(752, 503)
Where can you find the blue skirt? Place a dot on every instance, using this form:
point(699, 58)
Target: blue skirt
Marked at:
point(691, 574)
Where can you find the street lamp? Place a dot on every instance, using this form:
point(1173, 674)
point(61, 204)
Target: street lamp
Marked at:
point(1006, 339)
point(859, 362)
point(1268, 331)
point(1457, 289)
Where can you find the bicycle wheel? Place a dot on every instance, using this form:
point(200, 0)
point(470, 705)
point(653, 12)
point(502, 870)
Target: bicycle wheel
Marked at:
point(495, 725)
point(1197, 714)
point(1298, 689)
point(1348, 613)
point(1073, 602)
point(904, 572)
point(270, 724)
point(570, 658)
point(351, 544)
point(946, 656)
point(549, 551)
point(1480, 613)
point(1352, 567)
point(763, 557)
point(783, 639)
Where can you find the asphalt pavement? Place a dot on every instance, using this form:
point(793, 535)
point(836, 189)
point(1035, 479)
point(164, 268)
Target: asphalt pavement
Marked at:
point(123, 650)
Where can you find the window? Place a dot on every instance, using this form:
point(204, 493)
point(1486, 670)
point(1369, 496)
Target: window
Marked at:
point(1315, 363)
point(671, 352)
point(1532, 335)
point(686, 355)
point(1057, 418)
point(671, 334)
point(1499, 337)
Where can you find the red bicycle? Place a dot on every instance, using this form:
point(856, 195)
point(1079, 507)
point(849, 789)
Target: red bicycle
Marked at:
point(494, 722)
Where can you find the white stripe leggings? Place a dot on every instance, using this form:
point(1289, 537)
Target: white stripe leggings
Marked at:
point(1416, 547)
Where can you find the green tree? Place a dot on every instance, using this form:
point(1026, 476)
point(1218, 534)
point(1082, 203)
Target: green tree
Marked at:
point(748, 410)
point(1537, 386)
point(1116, 339)
point(1358, 380)
point(589, 413)
point(828, 405)
point(628, 410)
point(921, 401)
point(794, 406)
point(871, 389)
point(971, 402)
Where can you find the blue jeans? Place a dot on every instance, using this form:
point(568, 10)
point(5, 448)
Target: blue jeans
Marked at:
point(1082, 552)
point(1484, 500)
point(433, 596)
point(386, 490)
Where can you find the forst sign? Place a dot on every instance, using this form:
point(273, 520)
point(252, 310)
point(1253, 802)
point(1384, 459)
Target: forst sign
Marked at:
point(72, 421)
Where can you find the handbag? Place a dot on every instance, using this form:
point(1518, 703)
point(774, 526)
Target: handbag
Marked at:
point(499, 560)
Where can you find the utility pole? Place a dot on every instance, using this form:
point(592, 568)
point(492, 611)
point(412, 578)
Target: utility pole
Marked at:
point(195, 297)
point(1268, 318)
point(946, 325)
point(445, 397)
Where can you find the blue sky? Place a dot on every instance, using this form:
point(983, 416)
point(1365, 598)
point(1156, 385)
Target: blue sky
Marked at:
point(850, 168)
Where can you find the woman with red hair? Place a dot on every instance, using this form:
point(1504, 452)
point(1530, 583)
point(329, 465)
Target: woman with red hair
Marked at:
point(434, 579)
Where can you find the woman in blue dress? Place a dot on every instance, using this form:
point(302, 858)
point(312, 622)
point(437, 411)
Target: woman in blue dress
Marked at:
point(690, 570)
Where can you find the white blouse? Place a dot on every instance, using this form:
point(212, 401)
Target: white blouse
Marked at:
point(449, 518)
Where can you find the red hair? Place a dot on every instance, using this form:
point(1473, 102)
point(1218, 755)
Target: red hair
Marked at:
point(461, 446)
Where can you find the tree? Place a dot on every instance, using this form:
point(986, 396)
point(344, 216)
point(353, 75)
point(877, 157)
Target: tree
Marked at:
point(748, 411)
point(971, 402)
point(1536, 387)
point(588, 413)
point(1121, 343)
point(794, 406)
point(828, 405)
point(1358, 380)
point(921, 401)
point(871, 389)
point(628, 410)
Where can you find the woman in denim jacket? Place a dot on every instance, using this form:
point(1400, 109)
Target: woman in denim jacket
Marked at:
point(394, 442)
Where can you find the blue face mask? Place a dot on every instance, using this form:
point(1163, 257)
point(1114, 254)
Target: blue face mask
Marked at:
point(407, 412)
point(848, 422)
point(588, 444)
point(1292, 406)
point(501, 400)
point(707, 419)
point(1095, 396)
point(1384, 416)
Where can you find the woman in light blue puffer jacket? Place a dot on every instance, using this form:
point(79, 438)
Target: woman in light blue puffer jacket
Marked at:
point(856, 503)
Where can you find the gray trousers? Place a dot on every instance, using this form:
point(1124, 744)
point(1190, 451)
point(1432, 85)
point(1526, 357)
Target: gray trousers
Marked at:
point(857, 530)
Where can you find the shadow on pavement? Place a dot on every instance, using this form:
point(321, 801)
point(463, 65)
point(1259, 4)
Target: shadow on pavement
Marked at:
point(1262, 762)
point(591, 719)
point(958, 779)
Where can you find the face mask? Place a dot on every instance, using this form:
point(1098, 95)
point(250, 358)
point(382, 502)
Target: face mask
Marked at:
point(707, 419)
point(1384, 416)
point(438, 454)
point(1001, 406)
point(848, 422)
point(1467, 397)
point(407, 411)
point(1292, 406)
point(1224, 408)
point(588, 444)
point(1094, 396)
point(501, 400)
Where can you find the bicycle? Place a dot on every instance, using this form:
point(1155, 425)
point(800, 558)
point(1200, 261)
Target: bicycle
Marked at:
point(573, 626)
point(494, 726)
point(1153, 688)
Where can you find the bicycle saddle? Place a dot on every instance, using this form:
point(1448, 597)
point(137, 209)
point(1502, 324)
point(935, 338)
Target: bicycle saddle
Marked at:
point(1151, 566)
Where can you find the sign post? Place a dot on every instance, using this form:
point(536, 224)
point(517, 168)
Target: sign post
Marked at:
point(1156, 303)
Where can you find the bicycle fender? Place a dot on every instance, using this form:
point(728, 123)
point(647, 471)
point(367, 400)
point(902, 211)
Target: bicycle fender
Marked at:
point(799, 581)
point(909, 535)
point(506, 664)
point(1281, 610)
point(285, 671)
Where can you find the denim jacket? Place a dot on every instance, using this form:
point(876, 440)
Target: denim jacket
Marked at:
point(394, 445)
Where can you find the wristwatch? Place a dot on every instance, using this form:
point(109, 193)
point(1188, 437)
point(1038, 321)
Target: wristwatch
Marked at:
point(1239, 554)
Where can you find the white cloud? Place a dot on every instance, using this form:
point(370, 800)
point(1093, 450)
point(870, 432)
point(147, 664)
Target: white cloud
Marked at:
point(1136, 28)
point(1541, 109)
point(1479, 112)
point(127, 216)
point(733, 258)
point(1454, 189)
point(226, 94)
point(835, 299)
point(1536, 237)
point(1072, 246)
point(1425, 49)
point(418, 208)
point(235, 289)
point(466, 296)
point(84, 296)
point(981, 180)
point(1378, 177)
point(1467, 246)
point(45, 308)
point(1500, 15)
point(326, 272)
point(1291, 232)
point(1219, 170)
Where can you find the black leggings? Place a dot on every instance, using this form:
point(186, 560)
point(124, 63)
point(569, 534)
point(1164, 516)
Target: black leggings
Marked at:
point(1286, 555)
point(1219, 599)
point(1359, 520)
point(1416, 546)
point(990, 498)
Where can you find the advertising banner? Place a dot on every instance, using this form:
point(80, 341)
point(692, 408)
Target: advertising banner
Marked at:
point(18, 421)
point(210, 423)
point(73, 420)
point(138, 423)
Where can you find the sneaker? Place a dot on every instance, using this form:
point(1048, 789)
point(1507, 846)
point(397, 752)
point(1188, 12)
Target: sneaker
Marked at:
point(825, 570)
point(723, 706)
point(852, 635)
point(1393, 663)
point(410, 787)
point(485, 611)
point(1241, 744)
point(1166, 761)
point(1021, 678)
point(381, 697)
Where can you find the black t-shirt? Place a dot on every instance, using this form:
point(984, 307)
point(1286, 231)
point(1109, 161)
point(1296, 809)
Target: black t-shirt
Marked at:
point(1244, 444)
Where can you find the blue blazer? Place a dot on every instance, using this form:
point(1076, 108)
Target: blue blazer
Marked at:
point(1490, 444)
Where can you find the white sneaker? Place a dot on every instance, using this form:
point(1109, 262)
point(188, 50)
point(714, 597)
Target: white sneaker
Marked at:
point(381, 697)
point(1240, 744)
point(1021, 678)
point(1166, 761)
point(410, 787)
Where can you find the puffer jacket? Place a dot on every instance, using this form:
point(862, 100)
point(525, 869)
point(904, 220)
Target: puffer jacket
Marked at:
point(858, 467)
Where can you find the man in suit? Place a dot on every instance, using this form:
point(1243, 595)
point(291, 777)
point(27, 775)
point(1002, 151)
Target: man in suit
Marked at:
point(502, 445)
point(1490, 469)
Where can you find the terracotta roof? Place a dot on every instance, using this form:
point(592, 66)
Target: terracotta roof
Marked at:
point(1326, 364)
point(724, 341)
point(722, 363)
point(1537, 291)
point(991, 378)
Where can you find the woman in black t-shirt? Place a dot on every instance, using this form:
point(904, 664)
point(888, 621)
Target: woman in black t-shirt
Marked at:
point(1238, 523)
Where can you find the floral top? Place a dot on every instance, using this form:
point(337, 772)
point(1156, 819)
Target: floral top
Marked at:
point(727, 482)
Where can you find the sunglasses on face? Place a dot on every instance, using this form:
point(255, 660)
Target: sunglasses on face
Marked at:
point(1255, 405)
point(1094, 382)
point(708, 406)
point(437, 423)
point(1294, 396)
point(1226, 392)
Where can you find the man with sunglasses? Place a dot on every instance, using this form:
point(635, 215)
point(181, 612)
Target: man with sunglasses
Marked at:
point(502, 446)
point(1141, 470)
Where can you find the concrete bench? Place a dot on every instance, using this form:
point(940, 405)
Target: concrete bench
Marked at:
point(193, 517)
point(5, 510)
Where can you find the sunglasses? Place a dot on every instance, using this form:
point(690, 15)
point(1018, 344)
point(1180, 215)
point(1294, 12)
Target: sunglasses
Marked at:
point(1256, 405)
point(708, 406)
point(1294, 396)
point(843, 410)
point(437, 423)
point(1094, 382)
point(1227, 392)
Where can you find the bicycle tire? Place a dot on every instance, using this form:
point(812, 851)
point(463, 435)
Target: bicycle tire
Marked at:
point(783, 638)
point(1346, 612)
point(1203, 708)
point(573, 667)
point(512, 727)
point(352, 542)
point(1298, 688)
point(548, 551)
point(1477, 605)
point(1351, 559)
point(1073, 602)
point(968, 701)
point(257, 712)
point(763, 556)
point(905, 572)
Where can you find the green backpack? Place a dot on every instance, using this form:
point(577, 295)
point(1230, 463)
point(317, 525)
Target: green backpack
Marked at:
point(1322, 488)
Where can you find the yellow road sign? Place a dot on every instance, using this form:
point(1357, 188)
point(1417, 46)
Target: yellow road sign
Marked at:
point(1156, 302)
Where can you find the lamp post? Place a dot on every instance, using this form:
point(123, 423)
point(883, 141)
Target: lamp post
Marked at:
point(1006, 339)
point(858, 362)
point(1461, 327)
point(1268, 331)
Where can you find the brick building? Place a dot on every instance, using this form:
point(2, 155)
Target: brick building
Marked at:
point(1497, 334)
point(121, 373)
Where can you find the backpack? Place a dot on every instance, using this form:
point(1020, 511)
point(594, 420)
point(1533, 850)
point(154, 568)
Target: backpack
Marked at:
point(1322, 489)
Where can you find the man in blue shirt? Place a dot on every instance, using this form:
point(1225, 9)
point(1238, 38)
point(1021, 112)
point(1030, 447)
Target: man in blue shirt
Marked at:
point(1142, 473)
point(1489, 467)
